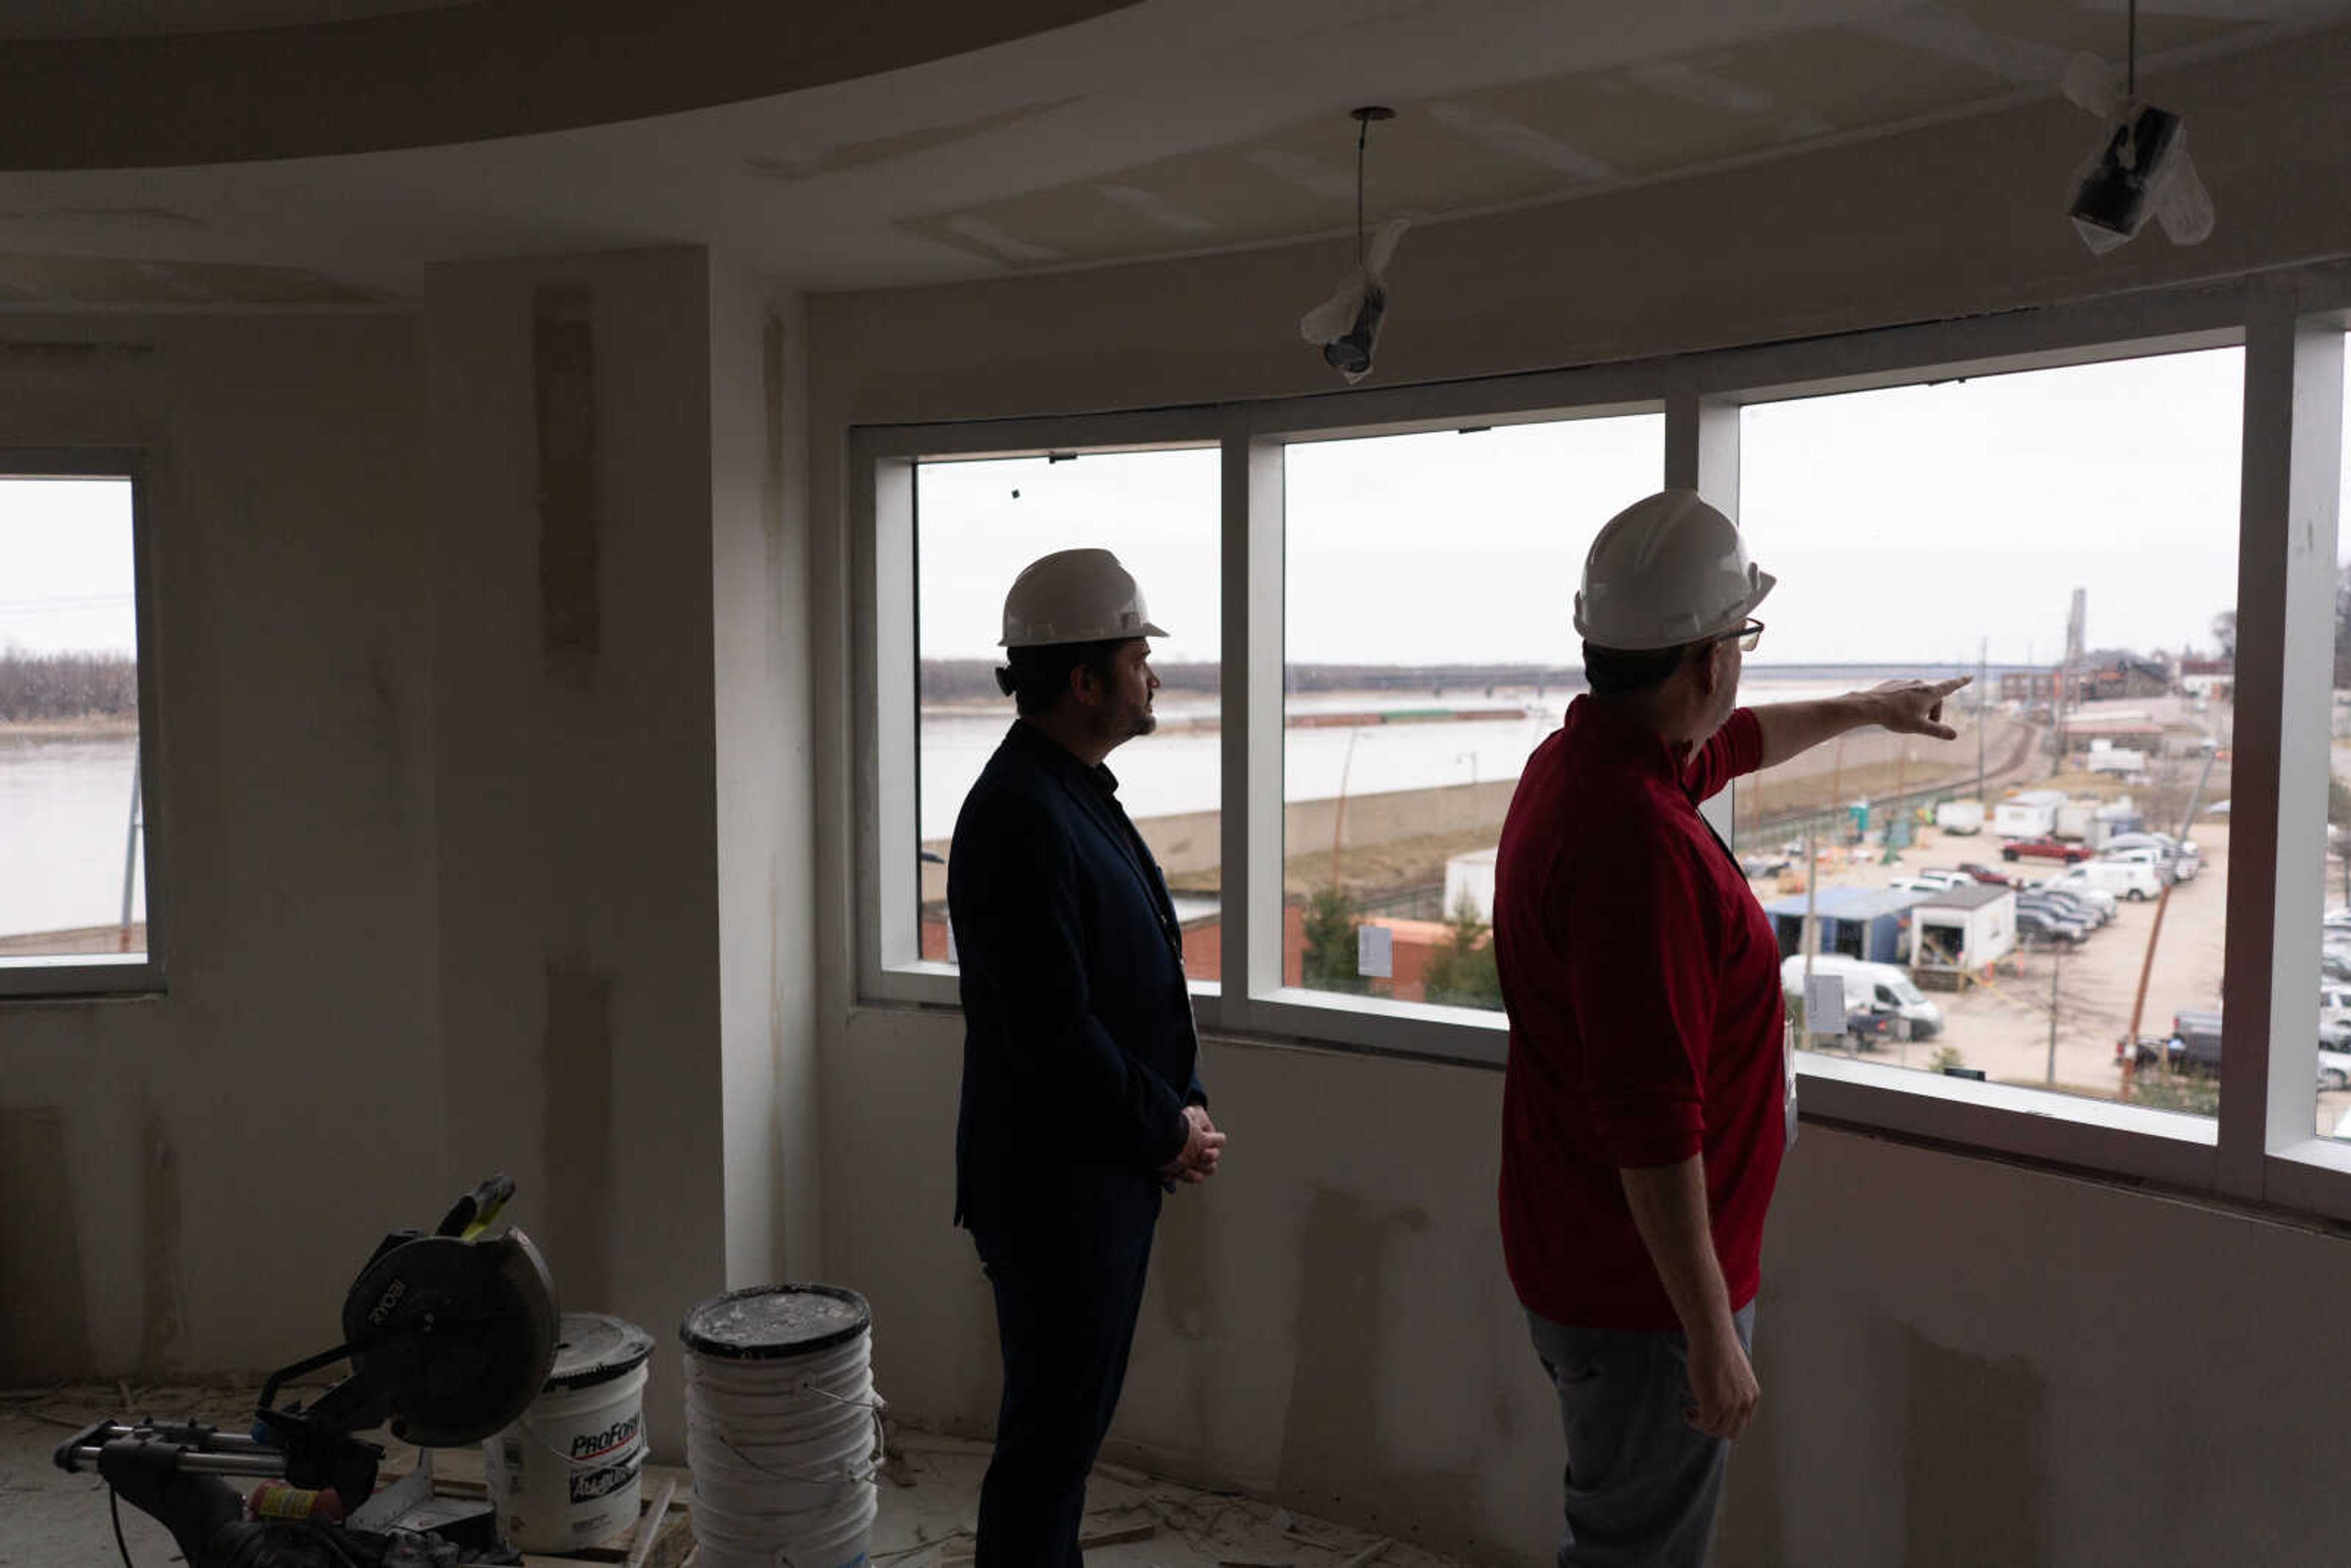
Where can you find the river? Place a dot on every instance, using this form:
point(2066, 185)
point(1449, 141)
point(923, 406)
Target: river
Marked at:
point(1177, 770)
point(64, 804)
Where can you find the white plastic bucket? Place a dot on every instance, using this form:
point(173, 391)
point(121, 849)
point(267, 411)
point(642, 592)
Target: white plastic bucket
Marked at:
point(569, 1472)
point(782, 1427)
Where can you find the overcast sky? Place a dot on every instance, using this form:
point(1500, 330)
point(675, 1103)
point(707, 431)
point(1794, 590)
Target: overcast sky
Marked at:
point(1905, 525)
point(65, 579)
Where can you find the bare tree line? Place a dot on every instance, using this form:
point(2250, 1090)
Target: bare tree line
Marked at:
point(36, 686)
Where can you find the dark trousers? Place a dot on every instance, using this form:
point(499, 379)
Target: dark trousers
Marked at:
point(1065, 1312)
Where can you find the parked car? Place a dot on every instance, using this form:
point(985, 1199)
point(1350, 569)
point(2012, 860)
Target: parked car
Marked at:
point(1874, 1024)
point(2044, 849)
point(2198, 1034)
point(1976, 872)
point(2127, 879)
point(1756, 867)
point(2334, 1068)
point(2164, 841)
point(1868, 985)
point(2059, 907)
point(2335, 920)
point(2097, 898)
point(2334, 1013)
point(2152, 1048)
point(1943, 876)
point(1917, 884)
point(2072, 895)
point(2042, 928)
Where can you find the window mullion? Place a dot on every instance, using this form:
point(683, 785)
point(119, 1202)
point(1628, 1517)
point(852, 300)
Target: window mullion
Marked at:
point(1250, 683)
point(1702, 455)
point(2283, 659)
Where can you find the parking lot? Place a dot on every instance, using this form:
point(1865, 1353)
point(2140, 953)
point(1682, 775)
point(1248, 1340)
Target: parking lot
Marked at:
point(2003, 1027)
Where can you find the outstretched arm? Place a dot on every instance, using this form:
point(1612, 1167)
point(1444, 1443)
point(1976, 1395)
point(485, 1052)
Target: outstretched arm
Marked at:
point(1905, 707)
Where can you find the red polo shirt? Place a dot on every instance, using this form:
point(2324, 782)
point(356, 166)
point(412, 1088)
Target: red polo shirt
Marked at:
point(1643, 983)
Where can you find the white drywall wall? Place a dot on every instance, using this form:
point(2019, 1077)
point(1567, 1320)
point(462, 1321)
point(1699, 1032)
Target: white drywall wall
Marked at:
point(232, 1150)
point(1964, 1363)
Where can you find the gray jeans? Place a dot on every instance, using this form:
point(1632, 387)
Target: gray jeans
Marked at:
point(1642, 1483)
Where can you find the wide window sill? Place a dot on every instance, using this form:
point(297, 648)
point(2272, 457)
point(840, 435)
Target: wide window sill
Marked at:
point(77, 976)
point(2164, 1146)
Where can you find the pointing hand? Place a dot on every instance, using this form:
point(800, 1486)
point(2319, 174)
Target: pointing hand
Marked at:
point(1915, 707)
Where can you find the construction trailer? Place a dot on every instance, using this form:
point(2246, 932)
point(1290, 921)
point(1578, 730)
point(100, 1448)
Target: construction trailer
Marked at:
point(2028, 814)
point(1872, 924)
point(1960, 932)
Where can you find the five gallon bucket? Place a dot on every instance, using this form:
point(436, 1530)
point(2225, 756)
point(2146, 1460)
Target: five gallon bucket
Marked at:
point(782, 1427)
point(568, 1473)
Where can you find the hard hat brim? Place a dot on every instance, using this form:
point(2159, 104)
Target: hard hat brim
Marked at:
point(1148, 629)
point(1765, 583)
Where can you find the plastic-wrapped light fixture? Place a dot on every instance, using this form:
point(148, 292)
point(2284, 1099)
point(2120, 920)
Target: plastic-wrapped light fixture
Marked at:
point(2142, 167)
point(1347, 326)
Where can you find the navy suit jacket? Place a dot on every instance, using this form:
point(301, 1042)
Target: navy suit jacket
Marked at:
point(1079, 1051)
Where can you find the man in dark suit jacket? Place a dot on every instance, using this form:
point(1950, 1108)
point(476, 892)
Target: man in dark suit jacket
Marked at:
point(1080, 1099)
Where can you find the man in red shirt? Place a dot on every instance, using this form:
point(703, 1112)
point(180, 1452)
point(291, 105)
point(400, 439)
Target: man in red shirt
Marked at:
point(1649, 1096)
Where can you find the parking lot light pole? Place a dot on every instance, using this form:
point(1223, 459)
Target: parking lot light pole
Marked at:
point(2056, 963)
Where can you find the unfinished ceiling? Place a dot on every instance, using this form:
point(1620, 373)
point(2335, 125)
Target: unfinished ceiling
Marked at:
point(137, 18)
point(1158, 129)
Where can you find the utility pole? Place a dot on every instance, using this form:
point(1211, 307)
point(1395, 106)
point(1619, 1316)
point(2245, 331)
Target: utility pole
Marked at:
point(2147, 964)
point(2056, 963)
point(1339, 813)
point(1810, 938)
point(1983, 708)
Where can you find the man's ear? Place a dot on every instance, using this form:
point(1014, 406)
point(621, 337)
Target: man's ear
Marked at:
point(1709, 669)
point(1085, 686)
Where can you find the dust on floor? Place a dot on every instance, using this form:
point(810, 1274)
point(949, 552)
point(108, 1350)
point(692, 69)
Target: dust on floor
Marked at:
point(930, 1494)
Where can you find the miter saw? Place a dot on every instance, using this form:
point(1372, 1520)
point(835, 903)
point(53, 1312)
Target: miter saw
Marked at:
point(449, 1336)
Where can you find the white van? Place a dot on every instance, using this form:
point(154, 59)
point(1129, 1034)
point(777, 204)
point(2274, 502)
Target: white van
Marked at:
point(1866, 985)
point(2133, 880)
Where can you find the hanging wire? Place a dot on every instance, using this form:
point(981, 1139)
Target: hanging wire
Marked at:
point(2130, 67)
point(1364, 135)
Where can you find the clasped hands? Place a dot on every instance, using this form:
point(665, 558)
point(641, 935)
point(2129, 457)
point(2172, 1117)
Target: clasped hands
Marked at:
point(1203, 1147)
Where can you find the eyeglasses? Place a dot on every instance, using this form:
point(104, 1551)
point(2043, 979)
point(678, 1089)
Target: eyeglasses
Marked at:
point(1747, 636)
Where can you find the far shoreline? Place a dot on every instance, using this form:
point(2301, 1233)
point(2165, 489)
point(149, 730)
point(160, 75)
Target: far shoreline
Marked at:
point(90, 727)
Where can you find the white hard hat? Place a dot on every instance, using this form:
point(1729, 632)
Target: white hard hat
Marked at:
point(1668, 569)
point(1074, 596)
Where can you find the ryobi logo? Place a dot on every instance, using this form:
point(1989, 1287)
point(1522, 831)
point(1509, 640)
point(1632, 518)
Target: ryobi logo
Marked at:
point(393, 1294)
point(595, 1445)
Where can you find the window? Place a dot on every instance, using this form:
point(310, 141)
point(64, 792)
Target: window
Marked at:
point(979, 523)
point(1429, 650)
point(73, 769)
point(2068, 537)
point(2028, 923)
point(2334, 925)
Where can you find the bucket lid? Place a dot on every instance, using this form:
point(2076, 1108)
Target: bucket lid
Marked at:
point(593, 1348)
point(774, 1322)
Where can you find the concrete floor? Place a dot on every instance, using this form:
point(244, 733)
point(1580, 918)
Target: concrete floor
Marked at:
point(52, 1519)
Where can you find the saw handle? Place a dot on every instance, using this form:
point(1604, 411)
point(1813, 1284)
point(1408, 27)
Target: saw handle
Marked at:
point(476, 1210)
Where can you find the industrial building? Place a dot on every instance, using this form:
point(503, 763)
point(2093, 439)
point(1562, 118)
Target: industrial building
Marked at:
point(525, 399)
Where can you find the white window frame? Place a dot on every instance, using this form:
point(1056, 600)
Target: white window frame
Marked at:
point(77, 976)
point(2290, 324)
